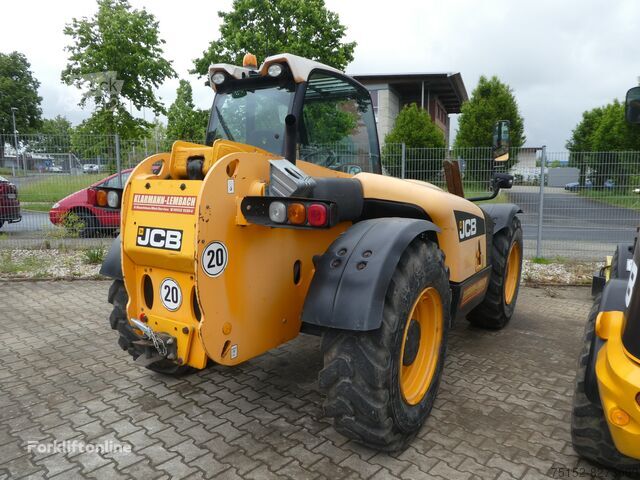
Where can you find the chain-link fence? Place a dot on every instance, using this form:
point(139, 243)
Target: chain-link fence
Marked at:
point(576, 205)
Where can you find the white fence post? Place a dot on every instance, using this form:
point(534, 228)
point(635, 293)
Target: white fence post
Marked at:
point(543, 164)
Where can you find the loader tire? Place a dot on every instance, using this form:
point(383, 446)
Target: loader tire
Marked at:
point(380, 385)
point(499, 302)
point(118, 297)
point(590, 434)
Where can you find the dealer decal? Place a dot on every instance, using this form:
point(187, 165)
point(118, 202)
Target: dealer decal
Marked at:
point(164, 238)
point(469, 226)
point(165, 203)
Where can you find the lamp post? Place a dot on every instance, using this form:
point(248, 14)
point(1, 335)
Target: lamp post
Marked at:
point(15, 133)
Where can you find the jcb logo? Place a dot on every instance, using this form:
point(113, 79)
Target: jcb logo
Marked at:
point(467, 228)
point(159, 238)
point(469, 225)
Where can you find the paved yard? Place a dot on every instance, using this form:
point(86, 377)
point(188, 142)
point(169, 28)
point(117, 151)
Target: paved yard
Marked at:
point(502, 411)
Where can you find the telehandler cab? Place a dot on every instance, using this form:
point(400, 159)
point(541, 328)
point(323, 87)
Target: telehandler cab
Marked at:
point(283, 223)
point(605, 421)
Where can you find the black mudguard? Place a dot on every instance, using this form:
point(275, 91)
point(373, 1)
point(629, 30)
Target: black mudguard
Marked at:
point(612, 300)
point(351, 279)
point(112, 265)
point(501, 214)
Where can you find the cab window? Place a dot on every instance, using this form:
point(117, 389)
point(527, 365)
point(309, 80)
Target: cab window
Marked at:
point(338, 128)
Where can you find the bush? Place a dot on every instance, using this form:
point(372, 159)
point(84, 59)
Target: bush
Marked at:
point(94, 256)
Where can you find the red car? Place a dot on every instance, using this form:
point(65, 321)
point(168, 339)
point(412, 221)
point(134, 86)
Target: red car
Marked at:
point(9, 203)
point(93, 210)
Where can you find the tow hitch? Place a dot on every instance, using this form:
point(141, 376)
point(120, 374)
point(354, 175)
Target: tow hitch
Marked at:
point(155, 346)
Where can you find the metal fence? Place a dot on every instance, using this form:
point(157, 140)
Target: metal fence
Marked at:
point(575, 205)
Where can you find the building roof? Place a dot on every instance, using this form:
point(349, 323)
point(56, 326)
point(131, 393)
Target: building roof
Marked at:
point(449, 87)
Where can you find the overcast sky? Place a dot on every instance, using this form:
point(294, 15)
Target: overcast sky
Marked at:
point(560, 57)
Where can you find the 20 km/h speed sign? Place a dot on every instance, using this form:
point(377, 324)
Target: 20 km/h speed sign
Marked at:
point(170, 294)
point(214, 259)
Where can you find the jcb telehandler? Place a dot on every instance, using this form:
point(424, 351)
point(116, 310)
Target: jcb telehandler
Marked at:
point(283, 223)
point(605, 424)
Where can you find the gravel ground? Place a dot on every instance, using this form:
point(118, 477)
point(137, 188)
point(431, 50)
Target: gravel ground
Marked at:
point(75, 264)
point(50, 264)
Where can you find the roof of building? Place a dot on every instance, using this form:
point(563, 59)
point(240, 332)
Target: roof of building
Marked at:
point(449, 87)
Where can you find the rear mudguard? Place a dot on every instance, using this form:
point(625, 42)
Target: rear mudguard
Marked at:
point(112, 264)
point(351, 278)
point(501, 214)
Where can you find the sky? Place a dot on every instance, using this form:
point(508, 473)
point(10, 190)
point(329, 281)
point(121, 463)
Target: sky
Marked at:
point(559, 57)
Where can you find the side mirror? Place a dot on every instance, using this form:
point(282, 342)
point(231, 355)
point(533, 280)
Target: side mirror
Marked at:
point(501, 141)
point(632, 106)
point(502, 180)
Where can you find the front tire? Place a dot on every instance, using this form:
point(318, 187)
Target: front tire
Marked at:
point(380, 385)
point(589, 429)
point(118, 297)
point(499, 302)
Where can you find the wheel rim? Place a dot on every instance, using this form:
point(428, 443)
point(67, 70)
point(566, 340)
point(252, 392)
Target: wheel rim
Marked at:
point(421, 346)
point(512, 275)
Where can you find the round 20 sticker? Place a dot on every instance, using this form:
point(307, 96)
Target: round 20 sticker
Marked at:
point(170, 294)
point(214, 259)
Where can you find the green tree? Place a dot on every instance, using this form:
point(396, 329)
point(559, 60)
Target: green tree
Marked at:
point(54, 136)
point(580, 145)
point(184, 120)
point(413, 127)
point(605, 146)
point(116, 57)
point(491, 101)
point(18, 88)
point(300, 27)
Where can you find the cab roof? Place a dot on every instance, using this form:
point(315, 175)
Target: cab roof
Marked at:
point(300, 68)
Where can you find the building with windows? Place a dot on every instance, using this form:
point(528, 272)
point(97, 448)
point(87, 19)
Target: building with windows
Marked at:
point(441, 94)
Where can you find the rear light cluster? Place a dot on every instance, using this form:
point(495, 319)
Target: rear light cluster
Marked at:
point(105, 198)
point(315, 214)
point(289, 212)
point(8, 188)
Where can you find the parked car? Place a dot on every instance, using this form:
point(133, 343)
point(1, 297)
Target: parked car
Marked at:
point(92, 211)
point(90, 168)
point(575, 186)
point(9, 203)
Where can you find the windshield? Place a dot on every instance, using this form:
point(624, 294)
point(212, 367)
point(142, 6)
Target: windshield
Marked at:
point(252, 116)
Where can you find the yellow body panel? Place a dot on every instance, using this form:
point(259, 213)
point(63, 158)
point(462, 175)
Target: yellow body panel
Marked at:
point(255, 299)
point(252, 304)
point(461, 257)
point(618, 383)
point(160, 264)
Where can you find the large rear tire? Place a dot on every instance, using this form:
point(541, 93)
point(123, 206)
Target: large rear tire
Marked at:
point(118, 297)
point(499, 302)
point(589, 430)
point(380, 385)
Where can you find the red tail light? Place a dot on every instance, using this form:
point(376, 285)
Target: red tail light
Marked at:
point(317, 215)
point(91, 196)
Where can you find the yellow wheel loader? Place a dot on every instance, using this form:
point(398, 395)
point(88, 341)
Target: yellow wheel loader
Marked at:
point(284, 224)
point(605, 422)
